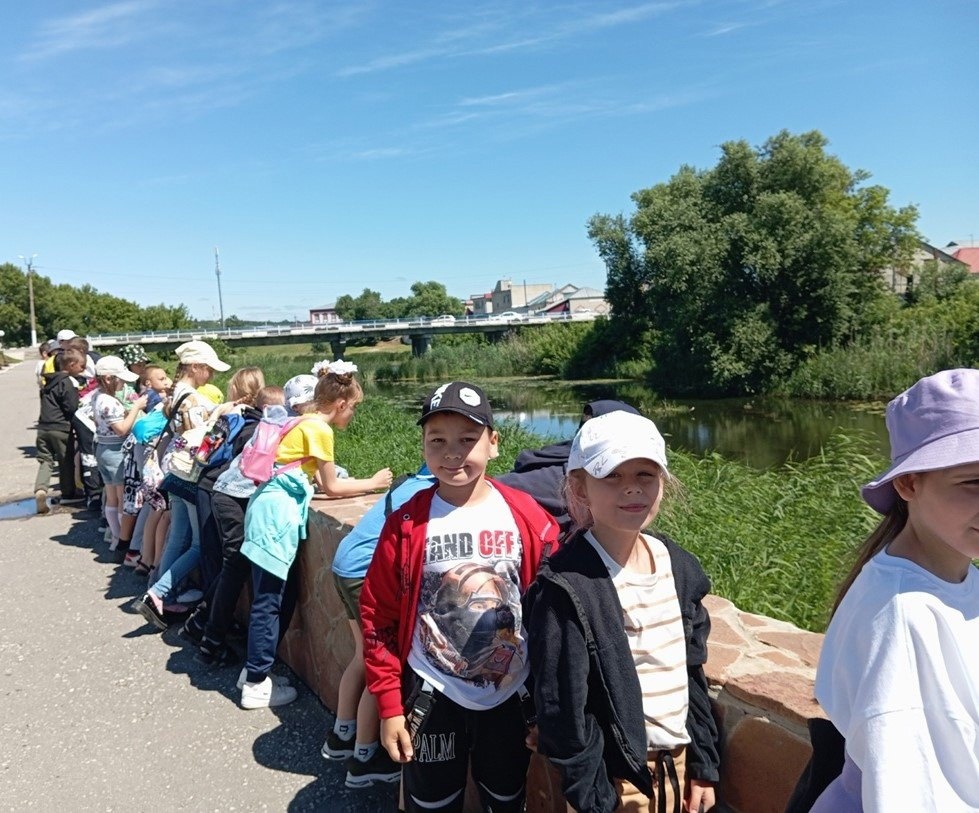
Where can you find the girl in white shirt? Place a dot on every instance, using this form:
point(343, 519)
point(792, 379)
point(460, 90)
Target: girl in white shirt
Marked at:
point(112, 423)
point(899, 670)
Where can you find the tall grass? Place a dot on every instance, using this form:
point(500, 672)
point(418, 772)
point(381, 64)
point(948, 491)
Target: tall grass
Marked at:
point(524, 351)
point(879, 366)
point(775, 542)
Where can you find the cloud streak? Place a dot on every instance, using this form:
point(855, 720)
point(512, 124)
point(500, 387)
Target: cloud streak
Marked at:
point(110, 26)
point(491, 37)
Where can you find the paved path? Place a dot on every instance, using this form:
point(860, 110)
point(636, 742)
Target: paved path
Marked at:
point(99, 713)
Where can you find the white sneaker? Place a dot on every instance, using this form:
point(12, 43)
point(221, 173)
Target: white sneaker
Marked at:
point(41, 501)
point(265, 695)
point(278, 680)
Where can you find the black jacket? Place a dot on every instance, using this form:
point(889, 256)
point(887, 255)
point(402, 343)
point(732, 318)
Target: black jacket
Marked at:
point(59, 400)
point(589, 705)
point(540, 472)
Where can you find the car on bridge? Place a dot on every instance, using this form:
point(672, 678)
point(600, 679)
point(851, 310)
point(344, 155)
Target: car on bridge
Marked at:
point(444, 320)
point(509, 316)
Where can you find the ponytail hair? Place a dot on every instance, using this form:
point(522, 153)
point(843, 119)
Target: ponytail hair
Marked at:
point(336, 382)
point(885, 533)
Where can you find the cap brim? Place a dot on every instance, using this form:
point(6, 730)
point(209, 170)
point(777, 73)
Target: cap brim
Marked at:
point(599, 463)
point(464, 414)
point(127, 375)
point(951, 450)
point(219, 365)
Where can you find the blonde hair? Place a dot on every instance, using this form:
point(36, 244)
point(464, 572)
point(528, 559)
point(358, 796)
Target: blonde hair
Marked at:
point(333, 387)
point(270, 395)
point(246, 384)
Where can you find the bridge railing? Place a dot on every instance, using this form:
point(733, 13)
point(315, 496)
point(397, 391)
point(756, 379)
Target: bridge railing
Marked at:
point(392, 327)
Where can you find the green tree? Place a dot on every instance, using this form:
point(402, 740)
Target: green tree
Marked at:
point(431, 299)
point(345, 307)
point(85, 310)
point(14, 319)
point(741, 271)
point(937, 282)
point(368, 305)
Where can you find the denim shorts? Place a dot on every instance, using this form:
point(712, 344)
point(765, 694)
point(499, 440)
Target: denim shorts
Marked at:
point(349, 590)
point(109, 459)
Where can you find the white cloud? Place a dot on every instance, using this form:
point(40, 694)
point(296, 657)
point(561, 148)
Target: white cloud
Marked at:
point(110, 26)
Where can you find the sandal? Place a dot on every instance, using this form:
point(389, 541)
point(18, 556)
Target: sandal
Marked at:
point(141, 569)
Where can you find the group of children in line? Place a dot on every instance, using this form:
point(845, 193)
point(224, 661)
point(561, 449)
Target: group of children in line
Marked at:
point(483, 629)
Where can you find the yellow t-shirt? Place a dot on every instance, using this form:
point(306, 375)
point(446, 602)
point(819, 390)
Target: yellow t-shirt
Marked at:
point(311, 437)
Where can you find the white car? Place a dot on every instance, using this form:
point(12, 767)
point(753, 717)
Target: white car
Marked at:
point(508, 316)
point(444, 319)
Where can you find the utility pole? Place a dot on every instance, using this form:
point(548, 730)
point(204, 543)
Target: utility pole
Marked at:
point(217, 273)
point(30, 295)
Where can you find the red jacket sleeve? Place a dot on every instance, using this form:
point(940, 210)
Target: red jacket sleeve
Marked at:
point(380, 616)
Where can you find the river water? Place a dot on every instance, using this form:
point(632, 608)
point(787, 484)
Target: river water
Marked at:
point(762, 432)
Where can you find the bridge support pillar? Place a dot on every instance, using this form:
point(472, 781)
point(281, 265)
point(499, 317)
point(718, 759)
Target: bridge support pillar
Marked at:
point(495, 336)
point(338, 345)
point(421, 344)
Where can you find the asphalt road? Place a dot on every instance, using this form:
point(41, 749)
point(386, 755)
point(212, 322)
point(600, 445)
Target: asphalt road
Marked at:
point(97, 712)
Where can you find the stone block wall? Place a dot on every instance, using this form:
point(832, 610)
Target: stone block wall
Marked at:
point(760, 672)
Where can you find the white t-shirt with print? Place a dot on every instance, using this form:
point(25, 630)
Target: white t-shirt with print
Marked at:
point(107, 410)
point(469, 641)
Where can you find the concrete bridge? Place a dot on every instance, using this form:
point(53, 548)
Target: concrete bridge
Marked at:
point(420, 331)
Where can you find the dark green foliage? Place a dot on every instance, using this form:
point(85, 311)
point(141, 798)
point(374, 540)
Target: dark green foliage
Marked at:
point(427, 299)
point(84, 310)
point(736, 273)
point(547, 350)
point(941, 331)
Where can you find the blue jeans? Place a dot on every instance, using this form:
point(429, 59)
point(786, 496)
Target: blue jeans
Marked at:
point(273, 603)
point(109, 459)
point(183, 550)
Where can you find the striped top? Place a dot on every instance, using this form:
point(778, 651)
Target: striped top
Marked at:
point(654, 629)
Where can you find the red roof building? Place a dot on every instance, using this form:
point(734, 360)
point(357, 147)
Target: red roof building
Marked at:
point(966, 254)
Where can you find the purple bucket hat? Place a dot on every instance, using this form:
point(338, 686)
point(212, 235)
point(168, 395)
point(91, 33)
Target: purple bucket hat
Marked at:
point(933, 425)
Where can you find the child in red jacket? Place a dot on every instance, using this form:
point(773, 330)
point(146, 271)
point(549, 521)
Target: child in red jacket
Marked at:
point(445, 648)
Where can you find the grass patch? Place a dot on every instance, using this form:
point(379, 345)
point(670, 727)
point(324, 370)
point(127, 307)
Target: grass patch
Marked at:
point(776, 542)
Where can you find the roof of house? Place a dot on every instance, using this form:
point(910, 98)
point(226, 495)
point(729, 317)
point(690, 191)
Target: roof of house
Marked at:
point(587, 293)
point(968, 255)
point(935, 252)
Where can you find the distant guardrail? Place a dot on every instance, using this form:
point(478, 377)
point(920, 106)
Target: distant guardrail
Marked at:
point(339, 330)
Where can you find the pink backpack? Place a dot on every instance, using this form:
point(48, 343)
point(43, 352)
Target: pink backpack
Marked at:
point(257, 460)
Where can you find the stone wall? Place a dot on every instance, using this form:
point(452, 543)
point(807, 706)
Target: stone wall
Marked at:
point(760, 672)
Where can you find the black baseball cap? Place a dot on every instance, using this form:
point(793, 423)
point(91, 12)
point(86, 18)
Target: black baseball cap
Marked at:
point(461, 398)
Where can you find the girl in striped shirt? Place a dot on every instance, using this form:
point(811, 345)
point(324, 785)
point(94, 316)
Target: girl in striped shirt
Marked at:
point(618, 637)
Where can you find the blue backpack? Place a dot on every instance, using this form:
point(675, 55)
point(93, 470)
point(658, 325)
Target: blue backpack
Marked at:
point(216, 447)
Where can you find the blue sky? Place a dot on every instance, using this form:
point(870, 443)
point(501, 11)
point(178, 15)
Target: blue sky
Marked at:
point(325, 147)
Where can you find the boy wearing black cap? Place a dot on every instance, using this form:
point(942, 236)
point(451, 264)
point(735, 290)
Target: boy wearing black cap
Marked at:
point(444, 644)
